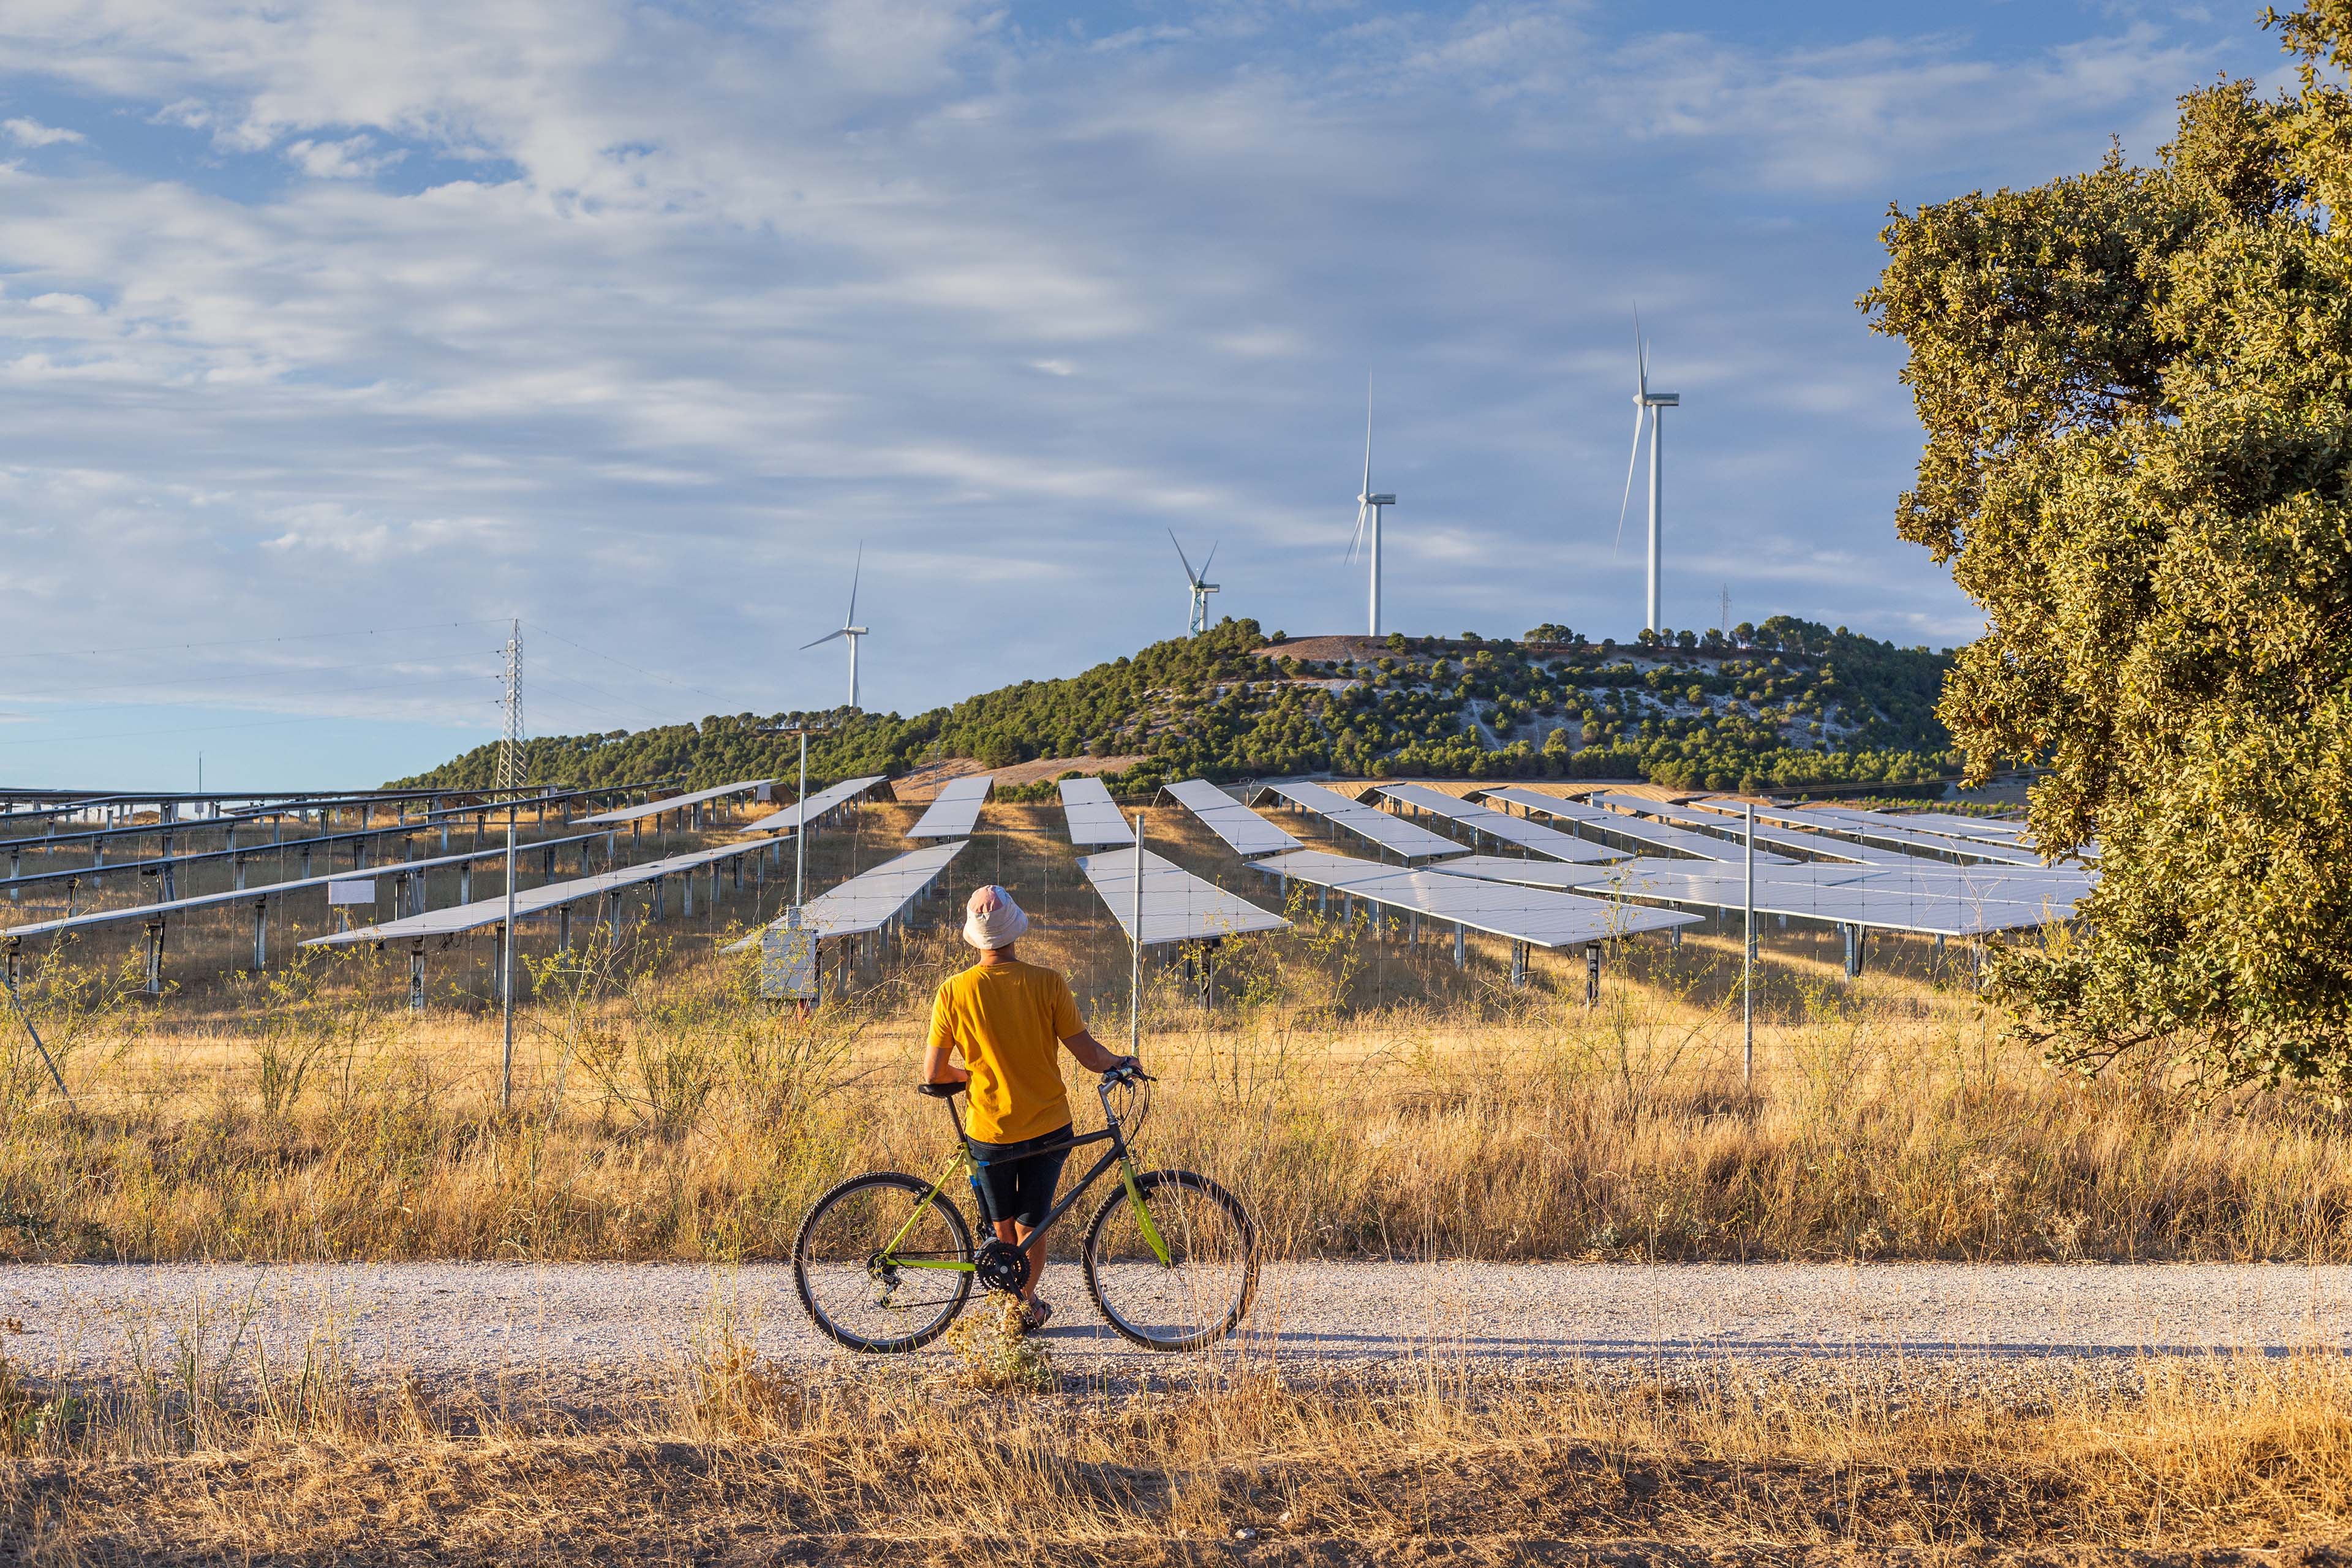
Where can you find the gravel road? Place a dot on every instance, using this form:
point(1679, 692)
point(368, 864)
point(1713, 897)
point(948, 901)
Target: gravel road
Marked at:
point(472, 1322)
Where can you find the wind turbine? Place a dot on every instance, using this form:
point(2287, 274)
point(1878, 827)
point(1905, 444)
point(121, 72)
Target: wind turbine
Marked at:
point(1202, 587)
point(850, 629)
point(1646, 403)
point(1367, 503)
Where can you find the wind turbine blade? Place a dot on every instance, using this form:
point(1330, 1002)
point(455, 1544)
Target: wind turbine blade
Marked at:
point(823, 640)
point(1207, 563)
point(1368, 444)
point(856, 573)
point(1358, 535)
point(1633, 461)
point(1189, 575)
point(1641, 359)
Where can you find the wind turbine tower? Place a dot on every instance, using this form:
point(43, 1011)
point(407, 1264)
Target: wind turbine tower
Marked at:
point(1369, 505)
point(850, 630)
point(1646, 404)
point(1197, 621)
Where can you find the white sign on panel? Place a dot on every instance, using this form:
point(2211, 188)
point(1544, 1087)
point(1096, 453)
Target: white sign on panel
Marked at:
point(788, 962)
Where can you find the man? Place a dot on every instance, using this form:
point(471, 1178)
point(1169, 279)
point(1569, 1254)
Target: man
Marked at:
point(1010, 1020)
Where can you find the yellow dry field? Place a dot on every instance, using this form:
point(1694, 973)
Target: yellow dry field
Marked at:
point(737, 1461)
point(1368, 1097)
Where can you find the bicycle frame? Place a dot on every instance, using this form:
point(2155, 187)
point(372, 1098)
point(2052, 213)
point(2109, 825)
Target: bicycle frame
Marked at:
point(966, 1163)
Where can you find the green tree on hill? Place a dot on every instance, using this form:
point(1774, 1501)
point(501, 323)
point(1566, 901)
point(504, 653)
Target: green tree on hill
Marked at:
point(2137, 385)
point(1226, 705)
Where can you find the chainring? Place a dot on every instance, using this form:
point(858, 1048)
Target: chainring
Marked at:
point(1001, 1264)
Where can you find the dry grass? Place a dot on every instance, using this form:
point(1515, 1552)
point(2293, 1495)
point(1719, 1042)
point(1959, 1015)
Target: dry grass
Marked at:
point(741, 1461)
point(1370, 1101)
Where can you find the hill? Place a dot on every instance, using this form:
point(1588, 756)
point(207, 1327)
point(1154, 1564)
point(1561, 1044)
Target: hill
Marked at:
point(1789, 702)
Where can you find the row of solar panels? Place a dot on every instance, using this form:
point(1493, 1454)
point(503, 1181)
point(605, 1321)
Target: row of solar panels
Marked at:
point(1859, 878)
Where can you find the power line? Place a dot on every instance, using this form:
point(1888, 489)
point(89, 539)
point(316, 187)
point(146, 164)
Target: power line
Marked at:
point(624, 664)
point(609, 695)
point(249, 642)
point(257, 724)
point(150, 685)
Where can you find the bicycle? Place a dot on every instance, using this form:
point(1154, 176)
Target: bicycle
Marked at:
point(884, 1261)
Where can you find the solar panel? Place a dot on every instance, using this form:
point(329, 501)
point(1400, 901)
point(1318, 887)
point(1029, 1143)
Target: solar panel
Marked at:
point(1246, 833)
point(1988, 829)
point(1639, 830)
point(1527, 873)
point(678, 801)
point(530, 902)
point(955, 810)
point(1869, 828)
point(1093, 819)
point(1715, 823)
point(230, 825)
point(1177, 905)
point(870, 900)
point(813, 810)
point(142, 912)
point(1924, 901)
point(1393, 834)
point(1532, 915)
point(1532, 837)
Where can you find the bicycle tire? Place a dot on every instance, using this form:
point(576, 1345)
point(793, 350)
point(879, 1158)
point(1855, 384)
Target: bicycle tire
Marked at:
point(834, 1229)
point(1215, 1296)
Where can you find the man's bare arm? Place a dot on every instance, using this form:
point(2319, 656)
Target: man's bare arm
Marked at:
point(938, 1068)
point(1092, 1055)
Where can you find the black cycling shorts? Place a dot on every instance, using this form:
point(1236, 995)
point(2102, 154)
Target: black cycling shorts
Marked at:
point(1022, 1190)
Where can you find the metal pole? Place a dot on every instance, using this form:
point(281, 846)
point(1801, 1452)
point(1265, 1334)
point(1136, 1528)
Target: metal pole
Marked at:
point(46, 1060)
point(800, 832)
point(1748, 953)
point(1135, 955)
point(506, 973)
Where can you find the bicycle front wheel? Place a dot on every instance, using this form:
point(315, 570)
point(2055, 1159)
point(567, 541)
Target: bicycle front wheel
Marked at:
point(883, 1265)
point(1173, 1265)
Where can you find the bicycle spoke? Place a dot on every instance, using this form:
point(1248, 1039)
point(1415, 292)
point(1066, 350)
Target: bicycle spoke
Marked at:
point(1201, 1287)
point(869, 1299)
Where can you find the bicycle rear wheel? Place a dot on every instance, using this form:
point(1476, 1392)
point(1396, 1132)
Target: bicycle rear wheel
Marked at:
point(881, 1302)
point(1197, 1292)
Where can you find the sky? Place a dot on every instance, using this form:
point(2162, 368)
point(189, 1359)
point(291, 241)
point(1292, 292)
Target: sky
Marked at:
point(335, 337)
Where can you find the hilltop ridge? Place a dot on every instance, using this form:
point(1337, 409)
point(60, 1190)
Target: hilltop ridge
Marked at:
point(1789, 702)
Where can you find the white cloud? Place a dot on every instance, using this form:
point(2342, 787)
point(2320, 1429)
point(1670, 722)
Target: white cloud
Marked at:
point(33, 133)
point(633, 319)
point(349, 159)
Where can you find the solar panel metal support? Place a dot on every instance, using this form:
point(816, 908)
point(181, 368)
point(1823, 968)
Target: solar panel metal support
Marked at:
point(465, 883)
point(154, 958)
point(416, 977)
point(260, 935)
point(686, 896)
point(1592, 972)
point(1518, 964)
point(1461, 945)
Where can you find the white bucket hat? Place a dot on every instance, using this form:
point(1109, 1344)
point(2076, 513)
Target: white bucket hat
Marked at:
point(991, 919)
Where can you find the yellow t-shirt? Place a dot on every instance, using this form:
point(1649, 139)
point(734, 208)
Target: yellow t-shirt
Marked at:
point(1009, 1020)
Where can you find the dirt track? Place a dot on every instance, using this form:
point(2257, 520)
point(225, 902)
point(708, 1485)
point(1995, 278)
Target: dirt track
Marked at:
point(594, 1323)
